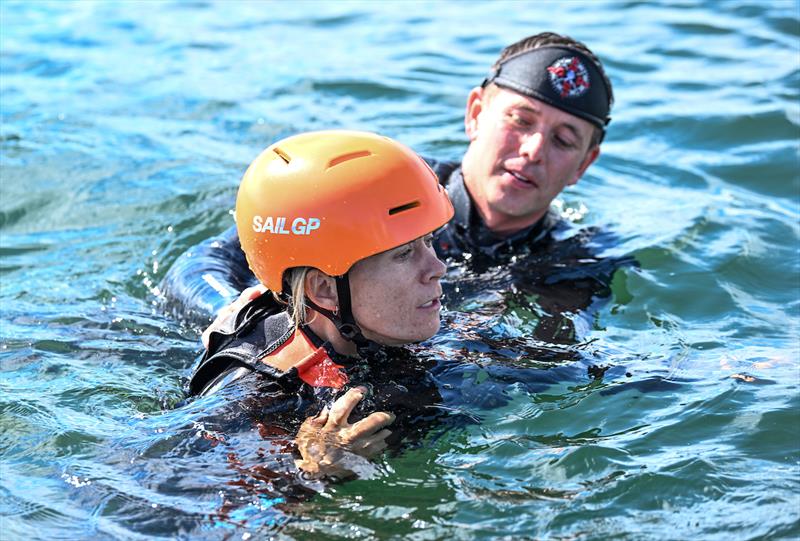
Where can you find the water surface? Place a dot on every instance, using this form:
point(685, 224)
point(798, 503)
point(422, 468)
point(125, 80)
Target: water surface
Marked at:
point(125, 130)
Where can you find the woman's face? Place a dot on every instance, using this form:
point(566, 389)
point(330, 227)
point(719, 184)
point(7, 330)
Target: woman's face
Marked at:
point(395, 294)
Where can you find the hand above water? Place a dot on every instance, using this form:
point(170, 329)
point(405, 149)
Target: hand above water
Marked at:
point(244, 297)
point(332, 447)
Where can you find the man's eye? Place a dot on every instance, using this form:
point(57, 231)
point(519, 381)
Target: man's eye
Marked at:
point(428, 240)
point(518, 120)
point(564, 143)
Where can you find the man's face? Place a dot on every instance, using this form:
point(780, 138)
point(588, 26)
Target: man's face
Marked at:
point(522, 154)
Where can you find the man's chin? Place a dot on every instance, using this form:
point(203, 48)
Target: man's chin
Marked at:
point(510, 207)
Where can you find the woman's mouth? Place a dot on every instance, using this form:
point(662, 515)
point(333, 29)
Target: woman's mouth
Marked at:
point(431, 304)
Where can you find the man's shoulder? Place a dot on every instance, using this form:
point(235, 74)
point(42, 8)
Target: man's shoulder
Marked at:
point(442, 168)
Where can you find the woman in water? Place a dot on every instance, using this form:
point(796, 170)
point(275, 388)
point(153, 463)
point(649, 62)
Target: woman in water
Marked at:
point(338, 226)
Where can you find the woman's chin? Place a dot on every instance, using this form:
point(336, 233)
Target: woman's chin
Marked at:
point(419, 333)
point(428, 331)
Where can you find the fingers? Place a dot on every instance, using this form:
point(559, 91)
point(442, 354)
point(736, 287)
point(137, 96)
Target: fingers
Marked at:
point(371, 424)
point(314, 424)
point(344, 405)
point(372, 450)
point(325, 440)
point(320, 419)
point(373, 445)
point(253, 292)
point(328, 444)
point(373, 440)
point(367, 437)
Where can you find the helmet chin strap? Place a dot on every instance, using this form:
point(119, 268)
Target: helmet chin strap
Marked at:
point(344, 320)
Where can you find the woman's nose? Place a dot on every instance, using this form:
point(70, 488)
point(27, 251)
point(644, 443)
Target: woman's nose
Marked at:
point(434, 267)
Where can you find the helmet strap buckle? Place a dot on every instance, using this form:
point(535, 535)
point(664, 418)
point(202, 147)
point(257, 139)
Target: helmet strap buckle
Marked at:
point(348, 331)
point(342, 314)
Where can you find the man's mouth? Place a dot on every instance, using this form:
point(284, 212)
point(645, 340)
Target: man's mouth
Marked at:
point(521, 178)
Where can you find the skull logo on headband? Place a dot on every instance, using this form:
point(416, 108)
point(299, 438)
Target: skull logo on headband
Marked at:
point(569, 77)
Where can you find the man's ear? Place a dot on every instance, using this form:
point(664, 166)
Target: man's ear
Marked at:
point(474, 108)
point(591, 156)
point(321, 290)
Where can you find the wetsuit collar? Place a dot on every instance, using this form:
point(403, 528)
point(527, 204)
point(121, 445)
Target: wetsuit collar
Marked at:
point(470, 227)
point(318, 342)
point(462, 203)
point(369, 354)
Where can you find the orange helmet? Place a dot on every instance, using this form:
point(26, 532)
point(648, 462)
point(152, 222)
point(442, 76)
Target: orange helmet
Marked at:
point(330, 198)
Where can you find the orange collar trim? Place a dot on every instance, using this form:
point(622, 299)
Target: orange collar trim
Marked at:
point(314, 365)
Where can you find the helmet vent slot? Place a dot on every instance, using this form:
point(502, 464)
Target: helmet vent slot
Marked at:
point(285, 157)
point(347, 157)
point(403, 208)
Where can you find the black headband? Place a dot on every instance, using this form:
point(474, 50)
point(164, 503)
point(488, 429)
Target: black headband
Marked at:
point(559, 76)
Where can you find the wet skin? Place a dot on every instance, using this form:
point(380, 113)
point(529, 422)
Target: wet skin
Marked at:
point(522, 154)
point(395, 294)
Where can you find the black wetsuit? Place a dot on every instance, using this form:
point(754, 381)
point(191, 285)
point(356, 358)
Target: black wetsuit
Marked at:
point(551, 268)
point(255, 411)
point(467, 236)
point(259, 408)
point(397, 381)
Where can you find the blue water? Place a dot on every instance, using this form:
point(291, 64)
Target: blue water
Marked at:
point(125, 130)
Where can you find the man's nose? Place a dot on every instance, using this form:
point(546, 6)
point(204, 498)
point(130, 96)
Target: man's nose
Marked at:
point(532, 146)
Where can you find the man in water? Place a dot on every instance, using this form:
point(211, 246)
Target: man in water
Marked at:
point(534, 125)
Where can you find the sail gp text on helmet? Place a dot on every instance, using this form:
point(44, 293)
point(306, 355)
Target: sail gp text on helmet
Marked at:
point(277, 226)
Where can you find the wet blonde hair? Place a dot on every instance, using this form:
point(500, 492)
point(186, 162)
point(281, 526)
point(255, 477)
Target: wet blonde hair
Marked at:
point(297, 294)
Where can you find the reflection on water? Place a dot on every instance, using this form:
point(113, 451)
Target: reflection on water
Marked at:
point(591, 400)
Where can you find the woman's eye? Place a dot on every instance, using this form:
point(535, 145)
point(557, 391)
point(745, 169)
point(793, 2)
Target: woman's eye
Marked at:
point(403, 253)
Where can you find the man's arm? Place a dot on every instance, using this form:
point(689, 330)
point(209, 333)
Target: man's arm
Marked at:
point(207, 277)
